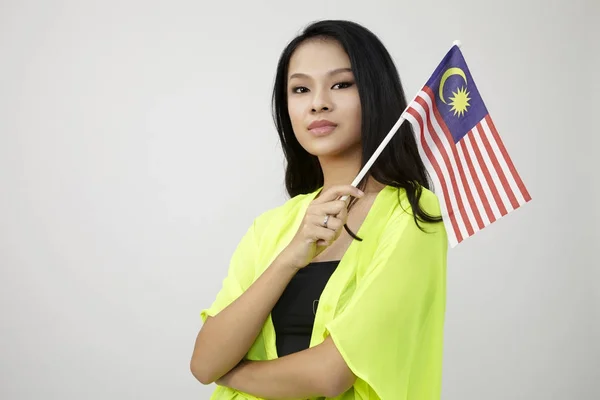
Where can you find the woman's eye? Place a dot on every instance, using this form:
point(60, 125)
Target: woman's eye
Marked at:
point(342, 85)
point(299, 89)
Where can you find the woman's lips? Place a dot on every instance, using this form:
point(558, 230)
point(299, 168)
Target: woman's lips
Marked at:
point(323, 130)
point(321, 127)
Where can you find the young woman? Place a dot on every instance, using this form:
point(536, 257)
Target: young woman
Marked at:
point(327, 298)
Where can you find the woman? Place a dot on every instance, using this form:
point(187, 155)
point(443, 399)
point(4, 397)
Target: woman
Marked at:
point(328, 298)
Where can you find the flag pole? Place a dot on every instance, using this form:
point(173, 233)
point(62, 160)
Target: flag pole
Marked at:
point(385, 141)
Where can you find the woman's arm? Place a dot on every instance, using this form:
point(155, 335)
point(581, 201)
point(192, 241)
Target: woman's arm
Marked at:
point(225, 338)
point(317, 371)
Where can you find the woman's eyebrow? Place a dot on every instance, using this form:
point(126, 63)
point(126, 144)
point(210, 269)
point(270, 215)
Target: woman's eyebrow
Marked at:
point(330, 73)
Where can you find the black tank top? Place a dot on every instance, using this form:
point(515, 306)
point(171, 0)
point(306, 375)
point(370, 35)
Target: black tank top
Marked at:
point(294, 313)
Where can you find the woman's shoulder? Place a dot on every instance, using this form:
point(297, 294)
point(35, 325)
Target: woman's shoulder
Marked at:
point(400, 220)
point(397, 202)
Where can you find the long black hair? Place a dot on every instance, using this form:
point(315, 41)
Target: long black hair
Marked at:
point(382, 100)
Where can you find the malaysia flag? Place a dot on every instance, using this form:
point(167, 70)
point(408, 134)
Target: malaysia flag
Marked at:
point(472, 172)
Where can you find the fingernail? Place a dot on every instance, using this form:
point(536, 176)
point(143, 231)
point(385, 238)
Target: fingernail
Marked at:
point(361, 192)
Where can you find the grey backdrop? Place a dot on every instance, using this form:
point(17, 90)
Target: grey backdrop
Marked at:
point(136, 147)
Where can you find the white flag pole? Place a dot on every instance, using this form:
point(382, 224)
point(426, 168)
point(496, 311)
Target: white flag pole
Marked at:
point(385, 141)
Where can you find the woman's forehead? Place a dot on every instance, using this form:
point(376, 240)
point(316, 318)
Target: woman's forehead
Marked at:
point(317, 58)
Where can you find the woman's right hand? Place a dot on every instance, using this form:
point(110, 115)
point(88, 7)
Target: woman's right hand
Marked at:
point(312, 236)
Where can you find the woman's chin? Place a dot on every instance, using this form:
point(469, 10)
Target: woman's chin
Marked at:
point(331, 151)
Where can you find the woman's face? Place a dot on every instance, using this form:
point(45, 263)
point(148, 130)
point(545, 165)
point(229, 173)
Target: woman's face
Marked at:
point(323, 101)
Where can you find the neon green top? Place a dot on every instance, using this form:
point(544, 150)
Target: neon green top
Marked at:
point(384, 305)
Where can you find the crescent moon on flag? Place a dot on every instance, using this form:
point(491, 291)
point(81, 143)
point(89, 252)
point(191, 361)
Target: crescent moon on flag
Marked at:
point(449, 72)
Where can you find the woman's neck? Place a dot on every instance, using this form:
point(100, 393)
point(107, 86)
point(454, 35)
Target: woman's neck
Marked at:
point(343, 170)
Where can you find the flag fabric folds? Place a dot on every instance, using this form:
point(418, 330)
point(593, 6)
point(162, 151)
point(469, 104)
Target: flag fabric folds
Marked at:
point(472, 172)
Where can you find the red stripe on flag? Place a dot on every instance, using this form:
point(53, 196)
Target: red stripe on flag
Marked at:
point(442, 149)
point(438, 172)
point(461, 170)
point(509, 162)
point(477, 182)
point(486, 172)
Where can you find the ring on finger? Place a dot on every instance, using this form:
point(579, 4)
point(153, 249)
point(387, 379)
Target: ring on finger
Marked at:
point(325, 221)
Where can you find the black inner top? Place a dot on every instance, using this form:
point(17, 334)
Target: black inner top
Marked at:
point(294, 314)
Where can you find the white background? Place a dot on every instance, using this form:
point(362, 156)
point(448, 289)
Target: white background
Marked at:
point(136, 147)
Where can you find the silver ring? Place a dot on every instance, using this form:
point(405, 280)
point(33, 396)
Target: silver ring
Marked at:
point(325, 221)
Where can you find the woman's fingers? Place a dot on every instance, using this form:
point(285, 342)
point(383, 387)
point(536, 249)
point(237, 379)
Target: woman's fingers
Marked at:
point(335, 192)
point(330, 208)
point(328, 204)
point(333, 223)
point(319, 233)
